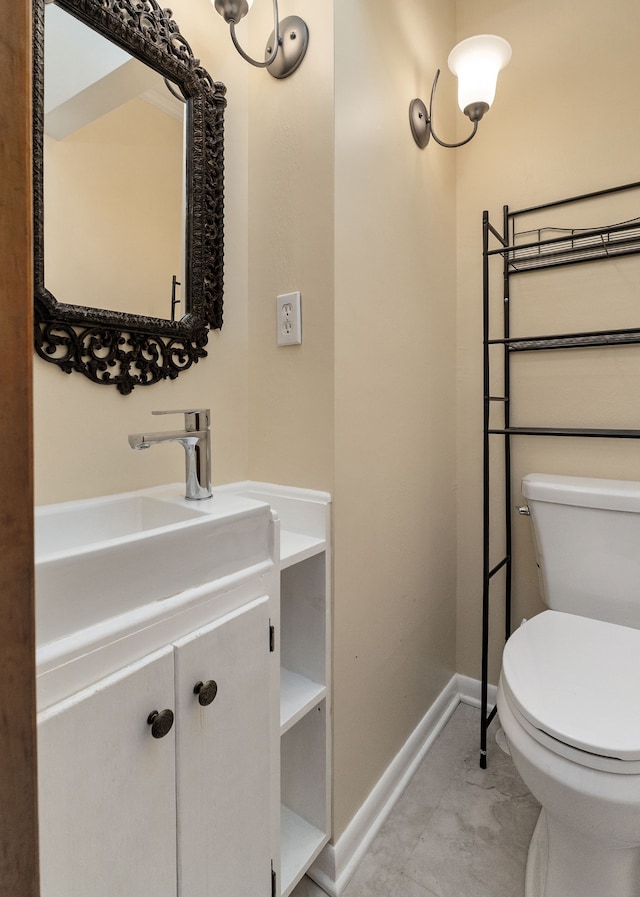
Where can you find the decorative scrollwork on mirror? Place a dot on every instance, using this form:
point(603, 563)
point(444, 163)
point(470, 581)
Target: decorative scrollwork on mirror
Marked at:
point(119, 347)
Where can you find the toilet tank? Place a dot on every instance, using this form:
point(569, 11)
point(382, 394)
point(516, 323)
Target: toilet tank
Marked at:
point(587, 538)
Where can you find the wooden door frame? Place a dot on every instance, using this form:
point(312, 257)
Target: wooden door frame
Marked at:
point(18, 769)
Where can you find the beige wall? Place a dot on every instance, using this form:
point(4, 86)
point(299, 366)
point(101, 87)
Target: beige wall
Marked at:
point(395, 390)
point(564, 123)
point(291, 225)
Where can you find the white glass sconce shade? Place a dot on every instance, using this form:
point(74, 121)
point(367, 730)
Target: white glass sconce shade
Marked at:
point(476, 62)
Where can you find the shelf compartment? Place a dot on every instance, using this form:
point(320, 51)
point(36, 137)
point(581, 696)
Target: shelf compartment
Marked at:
point(296, 547)
point(298, 695)
point(301, 844)
point(304, 797)
point(303, 623)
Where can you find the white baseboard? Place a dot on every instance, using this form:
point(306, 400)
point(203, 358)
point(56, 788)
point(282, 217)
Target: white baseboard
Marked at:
point(470, 691)
point(337, 863)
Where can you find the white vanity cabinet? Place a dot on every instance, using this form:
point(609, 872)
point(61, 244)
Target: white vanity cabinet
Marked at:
point(223, 752)
point(223, 628)
point(106, 788)
point(115, 800)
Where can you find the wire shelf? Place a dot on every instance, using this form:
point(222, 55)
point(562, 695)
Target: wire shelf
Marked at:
point(626, 337)
point(550, 247)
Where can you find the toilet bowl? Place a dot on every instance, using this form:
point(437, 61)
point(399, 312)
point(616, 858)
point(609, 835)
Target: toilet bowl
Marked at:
point(568, 695)
point(567, 701)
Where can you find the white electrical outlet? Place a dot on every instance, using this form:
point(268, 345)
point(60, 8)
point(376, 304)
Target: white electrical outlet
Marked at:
point(289, 319)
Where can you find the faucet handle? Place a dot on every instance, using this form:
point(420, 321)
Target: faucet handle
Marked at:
point(194, 418)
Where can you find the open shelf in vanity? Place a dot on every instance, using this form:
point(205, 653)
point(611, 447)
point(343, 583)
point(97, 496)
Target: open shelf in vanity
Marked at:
point(303, 641)
point(303, 708)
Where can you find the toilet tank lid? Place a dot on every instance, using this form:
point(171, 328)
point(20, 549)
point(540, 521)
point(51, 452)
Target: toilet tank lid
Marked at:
point(584, 492)
point(577, 680)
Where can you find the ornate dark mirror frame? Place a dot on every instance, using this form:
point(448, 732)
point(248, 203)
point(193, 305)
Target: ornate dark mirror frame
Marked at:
point(112, 347)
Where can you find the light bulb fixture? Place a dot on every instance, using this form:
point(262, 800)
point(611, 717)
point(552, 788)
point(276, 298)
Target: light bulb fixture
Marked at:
point(476, 61)
point(285, 48)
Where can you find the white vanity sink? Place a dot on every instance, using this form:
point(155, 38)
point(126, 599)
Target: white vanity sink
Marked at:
point(70, 526)
point(100, 558)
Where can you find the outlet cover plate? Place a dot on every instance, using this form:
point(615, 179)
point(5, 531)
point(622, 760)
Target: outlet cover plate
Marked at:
point(288, 313)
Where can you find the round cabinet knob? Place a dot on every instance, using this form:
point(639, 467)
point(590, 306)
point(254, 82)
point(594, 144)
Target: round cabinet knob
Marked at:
point(160, 722)
point(206, 692)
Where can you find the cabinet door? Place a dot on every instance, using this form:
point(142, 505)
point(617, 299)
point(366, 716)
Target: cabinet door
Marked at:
point(106, 788)
point(223, 757)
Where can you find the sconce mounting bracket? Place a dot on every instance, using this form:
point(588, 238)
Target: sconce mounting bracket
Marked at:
point(419, 121)
point(294, 40)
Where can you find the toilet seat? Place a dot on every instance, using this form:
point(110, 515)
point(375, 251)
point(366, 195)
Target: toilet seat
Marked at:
point(574, 684)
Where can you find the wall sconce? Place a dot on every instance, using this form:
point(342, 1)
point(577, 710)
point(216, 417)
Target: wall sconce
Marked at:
point(476, 61)
point(286, 46)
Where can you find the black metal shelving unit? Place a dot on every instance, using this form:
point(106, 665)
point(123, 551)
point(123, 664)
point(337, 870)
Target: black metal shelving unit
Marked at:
point(520, 252)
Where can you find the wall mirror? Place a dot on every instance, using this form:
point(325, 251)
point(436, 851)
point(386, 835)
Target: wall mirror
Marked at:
point(128, 192)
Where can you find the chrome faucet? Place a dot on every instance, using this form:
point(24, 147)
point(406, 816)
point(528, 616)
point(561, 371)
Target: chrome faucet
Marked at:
point(196, 442)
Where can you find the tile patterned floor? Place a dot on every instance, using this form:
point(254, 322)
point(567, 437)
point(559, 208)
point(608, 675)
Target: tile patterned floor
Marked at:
point(457, 831)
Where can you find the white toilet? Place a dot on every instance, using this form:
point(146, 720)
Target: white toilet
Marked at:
point(569, 691)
